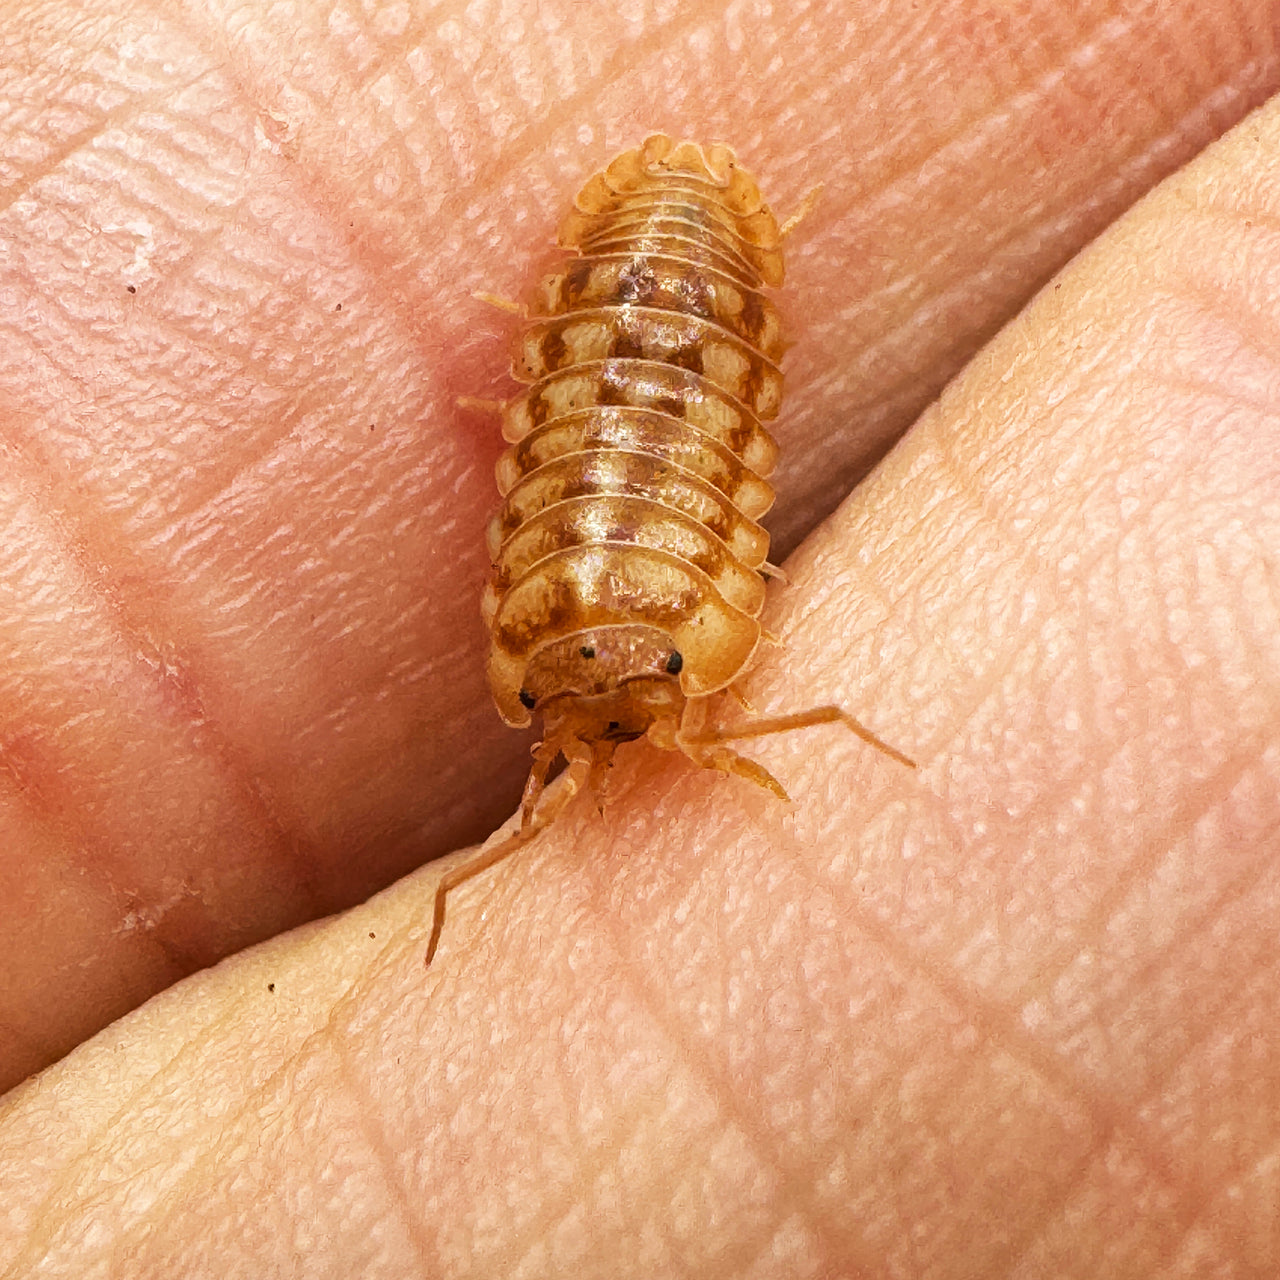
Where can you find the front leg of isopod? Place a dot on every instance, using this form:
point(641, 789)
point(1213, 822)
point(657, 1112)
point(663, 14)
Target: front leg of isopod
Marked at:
point(598, 782)
point(544, 756)
point(538, 811)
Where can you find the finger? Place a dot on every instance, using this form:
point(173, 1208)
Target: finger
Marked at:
point(1030, 984)
point(239, 468)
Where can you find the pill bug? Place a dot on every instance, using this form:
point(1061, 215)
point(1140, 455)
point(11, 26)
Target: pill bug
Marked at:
point(627, 554)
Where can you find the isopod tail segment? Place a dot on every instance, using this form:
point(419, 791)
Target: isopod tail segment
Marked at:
point(588, 757)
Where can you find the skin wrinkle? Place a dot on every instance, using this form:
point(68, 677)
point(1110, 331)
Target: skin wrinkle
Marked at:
point(717, 1083)
point(156, 1086)
point(988, 692)
point(1014, 549)
point(375, 1136)
point(1022, 236)
point(1094, 928)
point(111, 594)
point(1132, 873)
point(992, 1019)
point(352, 222)
point(1192, 926)
point(539, 1227)
point(300, 857)
point(1214, 304)
point(1078, 1183)
point(32, 178)
point(1089, 719)
point(130, 107)
point(1000, 1024)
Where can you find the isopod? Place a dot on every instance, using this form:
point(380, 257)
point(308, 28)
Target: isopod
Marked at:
point(627, 555)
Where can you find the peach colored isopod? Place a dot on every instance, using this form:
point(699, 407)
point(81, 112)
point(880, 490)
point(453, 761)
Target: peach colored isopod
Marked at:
point(627, 557)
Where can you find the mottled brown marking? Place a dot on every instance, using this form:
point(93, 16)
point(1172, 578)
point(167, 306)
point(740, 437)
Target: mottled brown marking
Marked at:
point(627, 344)
point(754, 315)
point(687, 355)
point(578, 279)
point(553, 350)
point(612, 390)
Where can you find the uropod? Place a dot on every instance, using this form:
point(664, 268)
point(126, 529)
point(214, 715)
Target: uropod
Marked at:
point(628, 563)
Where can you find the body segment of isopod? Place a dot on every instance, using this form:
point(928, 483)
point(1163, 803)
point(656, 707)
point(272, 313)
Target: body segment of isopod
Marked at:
point(627, 554)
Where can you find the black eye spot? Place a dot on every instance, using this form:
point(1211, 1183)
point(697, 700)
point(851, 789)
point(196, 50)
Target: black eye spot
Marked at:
point(675, 663)
point(527, 699)
point(587, 651)
point(613, 725)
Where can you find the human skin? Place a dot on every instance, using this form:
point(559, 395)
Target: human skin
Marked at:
point(1008, 1015)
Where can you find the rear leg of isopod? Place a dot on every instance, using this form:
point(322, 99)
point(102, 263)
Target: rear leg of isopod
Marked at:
point(807, 206)
point(538, 810)
point(503, 304)
point(479, 404)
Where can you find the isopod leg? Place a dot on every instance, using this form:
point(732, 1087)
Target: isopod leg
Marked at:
point(807, 206)
point(538, 811)
point(544, 756)
point(800, 720)
point(486, 858)
point(708, 756)
point(598, 781)
point(479, 404)
point(706, 749)
point(502, 304)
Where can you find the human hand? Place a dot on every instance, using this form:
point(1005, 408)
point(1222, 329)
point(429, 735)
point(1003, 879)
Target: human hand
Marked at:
point(1012, 1011)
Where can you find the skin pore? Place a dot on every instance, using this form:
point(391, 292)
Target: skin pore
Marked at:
point(1009, 1014)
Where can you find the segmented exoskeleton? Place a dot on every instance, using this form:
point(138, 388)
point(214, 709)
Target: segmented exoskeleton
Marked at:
point(627, 557)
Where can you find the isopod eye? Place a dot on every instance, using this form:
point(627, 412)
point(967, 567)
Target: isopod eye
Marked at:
point(527, 699)
point(675, 663)
point(587, 651)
